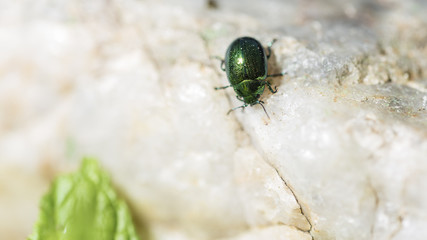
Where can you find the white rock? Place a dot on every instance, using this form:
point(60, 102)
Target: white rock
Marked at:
point(273, 233)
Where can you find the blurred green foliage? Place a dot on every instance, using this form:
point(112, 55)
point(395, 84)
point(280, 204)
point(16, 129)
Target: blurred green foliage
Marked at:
point(83, 205)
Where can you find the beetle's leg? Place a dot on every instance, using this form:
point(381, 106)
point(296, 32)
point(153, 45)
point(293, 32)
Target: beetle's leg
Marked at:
point(270, 88)
point(269, 47)
point(277, 74)
point(243, 106)
point(239, 98)
point(222, 62)
point(260, 103)
point(219, 88)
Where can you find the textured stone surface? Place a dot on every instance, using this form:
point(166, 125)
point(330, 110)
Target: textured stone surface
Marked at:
point(131, 83)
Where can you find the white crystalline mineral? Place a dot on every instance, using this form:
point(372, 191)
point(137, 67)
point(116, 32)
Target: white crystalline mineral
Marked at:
point(342, 156)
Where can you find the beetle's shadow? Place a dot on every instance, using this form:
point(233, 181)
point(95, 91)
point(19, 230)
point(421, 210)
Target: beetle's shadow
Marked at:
point(273, 68)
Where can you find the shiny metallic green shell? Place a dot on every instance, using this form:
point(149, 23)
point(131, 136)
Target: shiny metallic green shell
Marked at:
point(245, 59)
point(246, 67)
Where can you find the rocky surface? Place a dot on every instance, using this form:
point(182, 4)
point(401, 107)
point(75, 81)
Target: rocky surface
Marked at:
point(343, 155)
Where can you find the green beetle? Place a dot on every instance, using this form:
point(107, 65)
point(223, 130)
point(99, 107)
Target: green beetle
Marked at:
point(246, 67)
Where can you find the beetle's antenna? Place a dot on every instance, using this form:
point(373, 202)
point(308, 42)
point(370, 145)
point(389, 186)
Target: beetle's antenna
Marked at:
point(260, 103)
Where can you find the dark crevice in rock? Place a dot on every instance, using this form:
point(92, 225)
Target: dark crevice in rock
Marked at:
point(377, 203)
point(296, 199)
point(399, 227)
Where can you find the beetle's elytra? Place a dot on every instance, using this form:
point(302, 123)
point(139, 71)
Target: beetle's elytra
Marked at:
point(246, 66)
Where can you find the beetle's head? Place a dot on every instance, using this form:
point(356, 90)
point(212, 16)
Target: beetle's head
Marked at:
point(251, 99)
point(250, 91)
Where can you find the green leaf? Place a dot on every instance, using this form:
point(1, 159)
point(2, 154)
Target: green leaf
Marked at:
point(81, 206)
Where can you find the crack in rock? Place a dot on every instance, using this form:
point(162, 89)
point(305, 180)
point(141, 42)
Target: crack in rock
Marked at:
point(377, 203)
point(399, 227)
point(297, 201)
